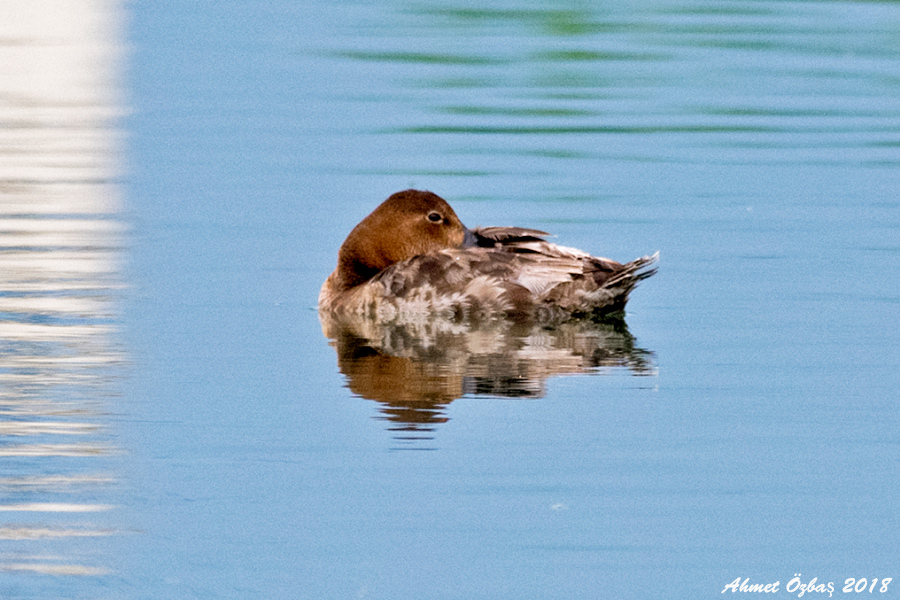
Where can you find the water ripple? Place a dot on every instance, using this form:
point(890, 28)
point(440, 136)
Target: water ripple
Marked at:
point(60, 285)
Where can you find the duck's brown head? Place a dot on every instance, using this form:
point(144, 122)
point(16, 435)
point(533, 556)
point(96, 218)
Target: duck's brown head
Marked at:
point(407, 224)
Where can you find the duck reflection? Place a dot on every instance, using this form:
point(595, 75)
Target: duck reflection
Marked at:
point(414, 370)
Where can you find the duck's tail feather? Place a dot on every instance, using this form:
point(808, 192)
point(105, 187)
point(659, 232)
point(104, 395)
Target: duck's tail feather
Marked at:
point(637, 270)
point(621, 282)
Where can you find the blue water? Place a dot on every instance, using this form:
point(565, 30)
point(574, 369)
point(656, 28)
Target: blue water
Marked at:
point(754, 144)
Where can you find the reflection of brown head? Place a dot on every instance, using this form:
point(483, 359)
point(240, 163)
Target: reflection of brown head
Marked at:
point(411, 392)
point(407, 224)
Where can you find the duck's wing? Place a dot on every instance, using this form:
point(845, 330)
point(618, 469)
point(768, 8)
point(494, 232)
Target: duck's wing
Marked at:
point(559, 276)
point(491, 237)
point(529, 278)
point(485, 280)
point(531, 241)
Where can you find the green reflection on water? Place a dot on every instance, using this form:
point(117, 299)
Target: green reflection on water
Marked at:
point(516, 112)
point(422, 58)
point(563, 21)
point(613, 129)
point(591, 55)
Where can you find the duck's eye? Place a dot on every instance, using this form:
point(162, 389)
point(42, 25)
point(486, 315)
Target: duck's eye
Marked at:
point(435, 217)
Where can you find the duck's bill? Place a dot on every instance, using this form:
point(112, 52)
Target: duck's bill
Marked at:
point(469, 239)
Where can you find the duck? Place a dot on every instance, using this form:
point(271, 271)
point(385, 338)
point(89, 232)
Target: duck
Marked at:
point(412, 259)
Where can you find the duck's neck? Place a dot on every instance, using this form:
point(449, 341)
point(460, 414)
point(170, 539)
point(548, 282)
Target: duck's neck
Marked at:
point(358, 261)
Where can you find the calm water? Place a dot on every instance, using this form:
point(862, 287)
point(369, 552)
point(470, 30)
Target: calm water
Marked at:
point(204, 439)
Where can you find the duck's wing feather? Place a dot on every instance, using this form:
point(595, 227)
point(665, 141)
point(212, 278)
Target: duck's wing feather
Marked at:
point(490, 237)
point(523, 240)
point(534, 279)
point(475, 282)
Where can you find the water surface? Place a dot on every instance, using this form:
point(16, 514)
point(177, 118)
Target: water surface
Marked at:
point(745, 425)
point(61, 356)
point(754, 144)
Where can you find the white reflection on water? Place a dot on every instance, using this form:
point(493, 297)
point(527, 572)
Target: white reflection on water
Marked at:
point(60, 241)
